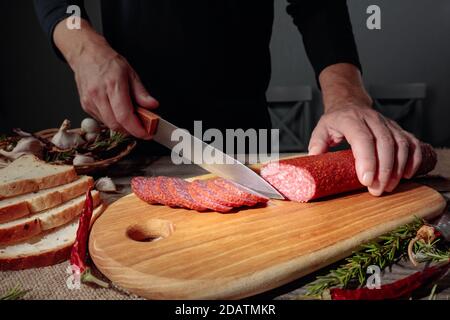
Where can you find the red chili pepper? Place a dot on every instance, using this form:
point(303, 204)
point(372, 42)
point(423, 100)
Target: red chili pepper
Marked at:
point(78, 256)
point(396, 290)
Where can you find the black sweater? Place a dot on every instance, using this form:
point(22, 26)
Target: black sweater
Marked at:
point(210, 60)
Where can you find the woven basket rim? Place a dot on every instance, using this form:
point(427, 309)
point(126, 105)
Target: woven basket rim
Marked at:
point(97, 165)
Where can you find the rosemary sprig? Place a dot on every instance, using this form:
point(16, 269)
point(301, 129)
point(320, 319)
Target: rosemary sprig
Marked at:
point(15, 293)
point(3, 137)
point(55, 156)
point(432, 252)
point(114, 140)
point(383, 253)
point(117, 137)
point(432, 295)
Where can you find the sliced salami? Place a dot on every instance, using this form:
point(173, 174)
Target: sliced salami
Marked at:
point(179, 190)
point(163, 195)
point(143, 188)
point(240, 191)
point(200, 193)
point(228, 197)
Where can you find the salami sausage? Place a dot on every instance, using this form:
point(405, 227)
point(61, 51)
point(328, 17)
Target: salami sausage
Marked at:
point(429, 159)
point(306, 178)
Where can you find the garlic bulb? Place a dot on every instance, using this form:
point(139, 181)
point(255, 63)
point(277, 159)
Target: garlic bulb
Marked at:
point(81, 159)
point(105, 185)
point(67, 140)
point(90, 136)
point(90, 125)
point(27, 145)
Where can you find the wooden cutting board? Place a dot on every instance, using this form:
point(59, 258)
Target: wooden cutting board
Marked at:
point(227, 256)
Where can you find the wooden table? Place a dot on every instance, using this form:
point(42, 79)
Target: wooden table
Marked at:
point(156, 166)
point(50, 282)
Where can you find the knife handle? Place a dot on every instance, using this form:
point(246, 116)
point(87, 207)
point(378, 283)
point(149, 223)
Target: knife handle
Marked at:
point(149, 120)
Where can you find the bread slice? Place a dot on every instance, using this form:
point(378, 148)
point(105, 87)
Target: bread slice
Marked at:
point(24, 205)
point(25, 228)
point(29, 174)
point(47, 249)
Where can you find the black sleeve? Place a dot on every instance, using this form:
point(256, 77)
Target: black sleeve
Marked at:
point(51, 12)
point(327, 32)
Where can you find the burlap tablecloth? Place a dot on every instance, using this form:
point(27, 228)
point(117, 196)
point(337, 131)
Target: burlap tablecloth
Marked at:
point(51, 282)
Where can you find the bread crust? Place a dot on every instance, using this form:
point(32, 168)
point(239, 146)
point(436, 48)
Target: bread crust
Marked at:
point(49, 257)
point(14, 212)
point(30, 228)
point(37, 261)
point(16, 188)
point(37, 204)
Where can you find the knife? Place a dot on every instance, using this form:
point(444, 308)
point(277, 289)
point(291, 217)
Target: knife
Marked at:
point(161, 131)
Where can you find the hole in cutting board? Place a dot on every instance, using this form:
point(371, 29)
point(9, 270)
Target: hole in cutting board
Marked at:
point(150, 231)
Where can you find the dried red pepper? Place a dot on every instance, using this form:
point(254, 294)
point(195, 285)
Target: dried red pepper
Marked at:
point(396, 290)
point(78, 256)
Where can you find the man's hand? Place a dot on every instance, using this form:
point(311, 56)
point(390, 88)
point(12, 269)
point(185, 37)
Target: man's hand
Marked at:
point(105, 80)
point(383, 151)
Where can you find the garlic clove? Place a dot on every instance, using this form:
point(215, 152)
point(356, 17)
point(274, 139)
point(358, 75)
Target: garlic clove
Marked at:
point(64, 139)
point(80, 160)
point(105, 184)
point(28, 145)
point(21, 133)
point(90, 125)
point(91, 137)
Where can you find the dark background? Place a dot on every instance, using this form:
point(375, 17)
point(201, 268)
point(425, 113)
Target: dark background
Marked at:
point(37, 91)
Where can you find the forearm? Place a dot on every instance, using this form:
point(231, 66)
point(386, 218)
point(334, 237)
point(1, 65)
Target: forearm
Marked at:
point(108, 86)
point(326, 32)
point(342, 85)
point(73, 43)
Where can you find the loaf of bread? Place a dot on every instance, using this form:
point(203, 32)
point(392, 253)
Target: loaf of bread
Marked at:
point(40, 205)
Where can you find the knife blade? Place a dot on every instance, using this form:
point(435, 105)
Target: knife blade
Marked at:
point(161, 131)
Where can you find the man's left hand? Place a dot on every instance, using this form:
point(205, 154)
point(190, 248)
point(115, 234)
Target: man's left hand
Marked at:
point(384, 152)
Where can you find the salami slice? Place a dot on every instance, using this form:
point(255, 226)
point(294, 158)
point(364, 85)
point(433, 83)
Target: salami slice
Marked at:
point(240, 191)
point(179, 190)
point(228, 197)
point(143, 188)
point(306, 178)
point(162, 193)
point(200, 193)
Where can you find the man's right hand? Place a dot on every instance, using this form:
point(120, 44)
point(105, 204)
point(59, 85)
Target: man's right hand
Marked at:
point(106, 82)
